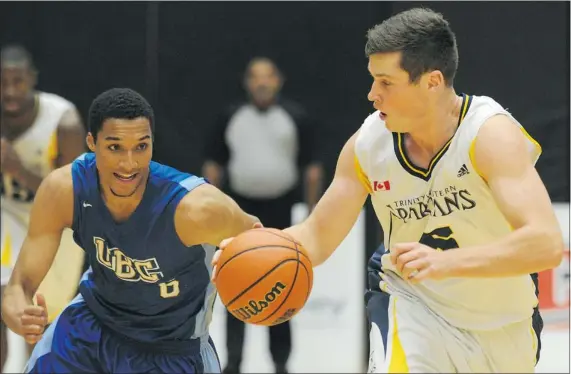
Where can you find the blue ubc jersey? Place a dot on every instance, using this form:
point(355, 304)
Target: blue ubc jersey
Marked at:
point(143, 282)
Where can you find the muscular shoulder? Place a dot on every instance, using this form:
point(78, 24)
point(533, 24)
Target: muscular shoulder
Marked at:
point(60, 181)
point(198, 212)
point(200, 199)
point(55, 196)
point(501, 141)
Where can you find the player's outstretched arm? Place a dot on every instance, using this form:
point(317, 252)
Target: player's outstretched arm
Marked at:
point(206, 215)
point(52, 211)
point(336, 212)
point(503, 159)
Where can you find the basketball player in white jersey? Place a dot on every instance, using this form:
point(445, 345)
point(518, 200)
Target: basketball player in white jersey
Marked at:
point(39, 132)
point(465, 215)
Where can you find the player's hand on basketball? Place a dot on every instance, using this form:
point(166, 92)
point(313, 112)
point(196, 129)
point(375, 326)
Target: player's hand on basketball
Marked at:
point(417, 262)
point(223, 244)
point(34, 320)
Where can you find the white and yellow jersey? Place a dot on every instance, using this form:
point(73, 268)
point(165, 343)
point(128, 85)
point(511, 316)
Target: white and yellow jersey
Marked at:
point(448, 205)
point(37, 149)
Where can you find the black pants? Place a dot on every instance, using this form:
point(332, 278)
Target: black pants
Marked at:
point(275, 213)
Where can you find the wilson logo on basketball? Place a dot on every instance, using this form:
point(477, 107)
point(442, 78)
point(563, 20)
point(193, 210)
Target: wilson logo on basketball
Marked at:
point(256, 307)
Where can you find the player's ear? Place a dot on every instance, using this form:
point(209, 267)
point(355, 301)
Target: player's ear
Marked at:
point(434, 79)
point(90, 140)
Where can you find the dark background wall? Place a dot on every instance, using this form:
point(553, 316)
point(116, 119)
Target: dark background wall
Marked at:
point(188, 59)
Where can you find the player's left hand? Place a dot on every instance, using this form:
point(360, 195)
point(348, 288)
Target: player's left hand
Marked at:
point(221, 247)
point(417, 262)
point(9, 161)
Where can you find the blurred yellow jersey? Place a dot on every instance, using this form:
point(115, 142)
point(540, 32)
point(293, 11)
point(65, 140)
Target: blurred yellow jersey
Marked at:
point(37, 149)
point(448, 205)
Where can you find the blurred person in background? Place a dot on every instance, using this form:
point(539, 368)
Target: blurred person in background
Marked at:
point(40, 131)
point(259, 152)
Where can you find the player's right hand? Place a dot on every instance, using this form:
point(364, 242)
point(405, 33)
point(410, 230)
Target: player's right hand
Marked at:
point(34, 320)
point(223, 244)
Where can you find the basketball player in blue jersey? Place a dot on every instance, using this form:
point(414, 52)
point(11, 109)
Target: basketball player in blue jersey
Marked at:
point(465, 214)
point(149, 231)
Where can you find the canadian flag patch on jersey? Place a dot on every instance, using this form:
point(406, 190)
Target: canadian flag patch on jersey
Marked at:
point(381, 186)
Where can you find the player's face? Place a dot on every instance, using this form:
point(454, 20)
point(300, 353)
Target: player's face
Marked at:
point(402, 104)
point(17, 89)
point(263, 83)
point(123, 151)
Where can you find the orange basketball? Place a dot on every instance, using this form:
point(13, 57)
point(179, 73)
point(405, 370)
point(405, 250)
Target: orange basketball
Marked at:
point(264, 277)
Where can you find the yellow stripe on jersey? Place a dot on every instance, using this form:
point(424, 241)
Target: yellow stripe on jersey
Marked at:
point(52, 151)
point(421, 172)
point(472, 154)
point(535, 154)
point(6, 259)
point(465, 106)
point(536, 145)
point(397, 363)
point(362, 176)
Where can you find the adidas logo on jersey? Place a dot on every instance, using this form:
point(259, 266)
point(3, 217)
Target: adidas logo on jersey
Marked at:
point(463, 171)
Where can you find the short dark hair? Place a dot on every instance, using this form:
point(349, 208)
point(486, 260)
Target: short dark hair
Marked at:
point(123, 103)
point(17, 55)
point(424, 39)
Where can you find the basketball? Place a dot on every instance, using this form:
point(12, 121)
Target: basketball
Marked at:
point(264, 277)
